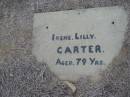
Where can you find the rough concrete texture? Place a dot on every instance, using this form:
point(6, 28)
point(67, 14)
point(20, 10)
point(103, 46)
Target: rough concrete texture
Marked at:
point(22, 76)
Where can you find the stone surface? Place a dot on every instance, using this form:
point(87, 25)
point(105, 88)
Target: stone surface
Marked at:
point(79, 43)
point(22, 76)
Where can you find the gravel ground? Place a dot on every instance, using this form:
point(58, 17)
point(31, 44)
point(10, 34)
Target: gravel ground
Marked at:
point(22, 76)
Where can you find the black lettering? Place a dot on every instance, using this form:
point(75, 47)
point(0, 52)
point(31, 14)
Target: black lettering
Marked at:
point(90, 49)
point(76, 36)
point(58, 61)
point(53, 35)
point(76, 49)
point(83, 48)
point(98, 49)
point(59, 50)
point(92, 60)
point(67, 50)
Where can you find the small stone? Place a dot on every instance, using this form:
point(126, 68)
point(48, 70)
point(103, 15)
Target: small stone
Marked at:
point(11, 75)
point(72, 86)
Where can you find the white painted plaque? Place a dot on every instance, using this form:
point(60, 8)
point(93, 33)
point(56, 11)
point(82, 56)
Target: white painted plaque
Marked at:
point(78, 43)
